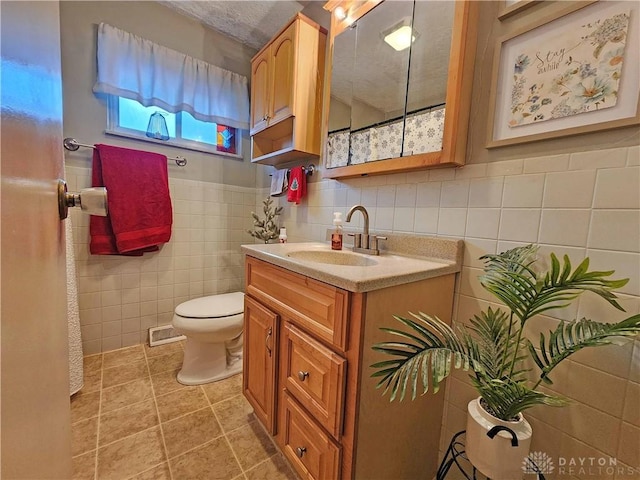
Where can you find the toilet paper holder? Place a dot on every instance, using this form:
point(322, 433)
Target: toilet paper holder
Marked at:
point(91, 200)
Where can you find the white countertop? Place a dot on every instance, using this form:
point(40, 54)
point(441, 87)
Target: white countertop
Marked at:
point(390, 268)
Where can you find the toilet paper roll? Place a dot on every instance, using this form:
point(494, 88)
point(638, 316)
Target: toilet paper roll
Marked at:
point(94, 201)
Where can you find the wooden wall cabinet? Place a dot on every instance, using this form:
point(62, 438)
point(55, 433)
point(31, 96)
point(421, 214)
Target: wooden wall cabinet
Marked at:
point(286, 94)
point(328, 418)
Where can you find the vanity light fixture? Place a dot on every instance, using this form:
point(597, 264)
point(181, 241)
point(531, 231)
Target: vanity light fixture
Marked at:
point(340, 13)
point(401, 35)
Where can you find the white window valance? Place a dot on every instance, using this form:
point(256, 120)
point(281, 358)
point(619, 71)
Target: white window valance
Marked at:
point(133, 67)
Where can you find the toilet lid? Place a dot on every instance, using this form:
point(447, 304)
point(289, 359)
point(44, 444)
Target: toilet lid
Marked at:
point(214, 306)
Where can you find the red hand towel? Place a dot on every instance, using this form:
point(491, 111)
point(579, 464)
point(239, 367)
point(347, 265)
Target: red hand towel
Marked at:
point(140, 213)
point(297, 185)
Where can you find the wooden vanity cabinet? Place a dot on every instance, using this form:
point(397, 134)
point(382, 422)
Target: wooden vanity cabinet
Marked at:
point(286, 94)
point(328, 418)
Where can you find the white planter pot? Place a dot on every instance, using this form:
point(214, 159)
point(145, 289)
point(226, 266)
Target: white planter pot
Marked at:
point(496, 457)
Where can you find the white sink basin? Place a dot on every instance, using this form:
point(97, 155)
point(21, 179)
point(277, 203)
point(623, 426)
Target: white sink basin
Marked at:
point(333, 257)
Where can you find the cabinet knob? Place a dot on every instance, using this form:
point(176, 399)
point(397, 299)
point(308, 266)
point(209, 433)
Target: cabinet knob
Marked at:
point(302, 375)
point(300, 451)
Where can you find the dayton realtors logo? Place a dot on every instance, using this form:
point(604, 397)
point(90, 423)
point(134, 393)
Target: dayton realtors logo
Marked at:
point(597, 467)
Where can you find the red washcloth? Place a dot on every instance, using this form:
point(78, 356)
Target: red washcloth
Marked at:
point(297, 185)
point(140, 213)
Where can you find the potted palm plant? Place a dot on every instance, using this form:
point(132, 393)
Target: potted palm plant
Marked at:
point(501, 360)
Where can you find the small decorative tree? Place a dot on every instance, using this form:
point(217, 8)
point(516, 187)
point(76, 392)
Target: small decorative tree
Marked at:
point(266, 229)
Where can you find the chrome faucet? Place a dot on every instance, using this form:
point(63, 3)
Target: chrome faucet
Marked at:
point(363, 242)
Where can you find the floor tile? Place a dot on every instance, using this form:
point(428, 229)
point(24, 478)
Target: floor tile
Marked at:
point(84, 436)
point(124, 373)
point(84, 466)
point(224, 389)
point(192, 430)
point(166, 382)
point(92, 363)
point(234, 413)
point(180, 402)
point(126, 394)
point(165, 349)
point(123, 356)
point(275, 468)
point(92, 381)
point(127, 421)
point(131, 456)
point(84, 405)
point(161, 472)
point(212, 461)
point(251, 444)
point(163, 363)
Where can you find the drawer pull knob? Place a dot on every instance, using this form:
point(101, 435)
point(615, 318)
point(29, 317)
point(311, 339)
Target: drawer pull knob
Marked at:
point(302, 375)
point(300, 451)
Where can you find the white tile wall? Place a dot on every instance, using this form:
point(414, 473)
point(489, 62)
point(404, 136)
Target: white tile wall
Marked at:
point(523, 191)
point(617, 188)
point(122, 297)
point(520, 224)
point(486, 192)
point(569, 189)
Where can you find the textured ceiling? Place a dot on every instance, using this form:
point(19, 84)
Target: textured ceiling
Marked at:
point(252, 23)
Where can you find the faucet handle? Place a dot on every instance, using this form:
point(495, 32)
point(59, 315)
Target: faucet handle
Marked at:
point(357, 239)
point(374, 241)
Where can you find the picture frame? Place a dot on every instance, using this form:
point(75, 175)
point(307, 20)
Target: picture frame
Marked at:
point(563, 29)
point(512, 7)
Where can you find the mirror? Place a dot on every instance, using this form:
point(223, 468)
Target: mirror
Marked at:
point(385, 108)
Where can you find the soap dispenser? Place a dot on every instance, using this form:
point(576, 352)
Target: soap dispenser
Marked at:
point(336, 236)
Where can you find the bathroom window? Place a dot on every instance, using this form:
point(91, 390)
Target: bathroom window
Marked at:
point(129, 118)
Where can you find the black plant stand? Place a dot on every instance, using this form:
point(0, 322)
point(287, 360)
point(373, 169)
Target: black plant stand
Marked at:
point(455, 455)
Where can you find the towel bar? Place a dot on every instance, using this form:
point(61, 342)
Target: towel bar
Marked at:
point(72, 144)
point(308, 170)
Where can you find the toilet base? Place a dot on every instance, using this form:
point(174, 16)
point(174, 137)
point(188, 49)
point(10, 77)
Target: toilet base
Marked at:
point(207, 362)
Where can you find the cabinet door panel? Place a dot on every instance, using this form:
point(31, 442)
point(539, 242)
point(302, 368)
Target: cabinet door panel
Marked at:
point(260, 92)
point(315, 376)
point(283, 67)
point(311, 451)
point(317, 307)
point(260, 341)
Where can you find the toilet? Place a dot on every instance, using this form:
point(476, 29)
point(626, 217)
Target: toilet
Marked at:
point(213, 326)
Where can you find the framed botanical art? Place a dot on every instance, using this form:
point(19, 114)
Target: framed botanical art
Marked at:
point(574, 73)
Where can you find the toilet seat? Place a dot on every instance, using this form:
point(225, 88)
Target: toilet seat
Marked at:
point(224, 326)
point(213, 306)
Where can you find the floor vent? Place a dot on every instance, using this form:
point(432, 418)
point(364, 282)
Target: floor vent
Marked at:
point(164, 334)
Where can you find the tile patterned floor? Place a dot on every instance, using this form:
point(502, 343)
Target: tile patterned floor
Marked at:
point(133, 420)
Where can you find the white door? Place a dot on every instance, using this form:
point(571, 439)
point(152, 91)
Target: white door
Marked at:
point(34, 389)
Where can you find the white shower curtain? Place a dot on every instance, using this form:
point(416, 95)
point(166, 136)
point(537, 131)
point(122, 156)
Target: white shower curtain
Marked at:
point(73, 316)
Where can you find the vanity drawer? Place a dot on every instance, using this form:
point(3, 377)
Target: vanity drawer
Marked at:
point(319, 308)
point(310, 450)
point(315, 376)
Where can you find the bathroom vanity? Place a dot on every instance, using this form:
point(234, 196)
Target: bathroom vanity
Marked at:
point(311, 317)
